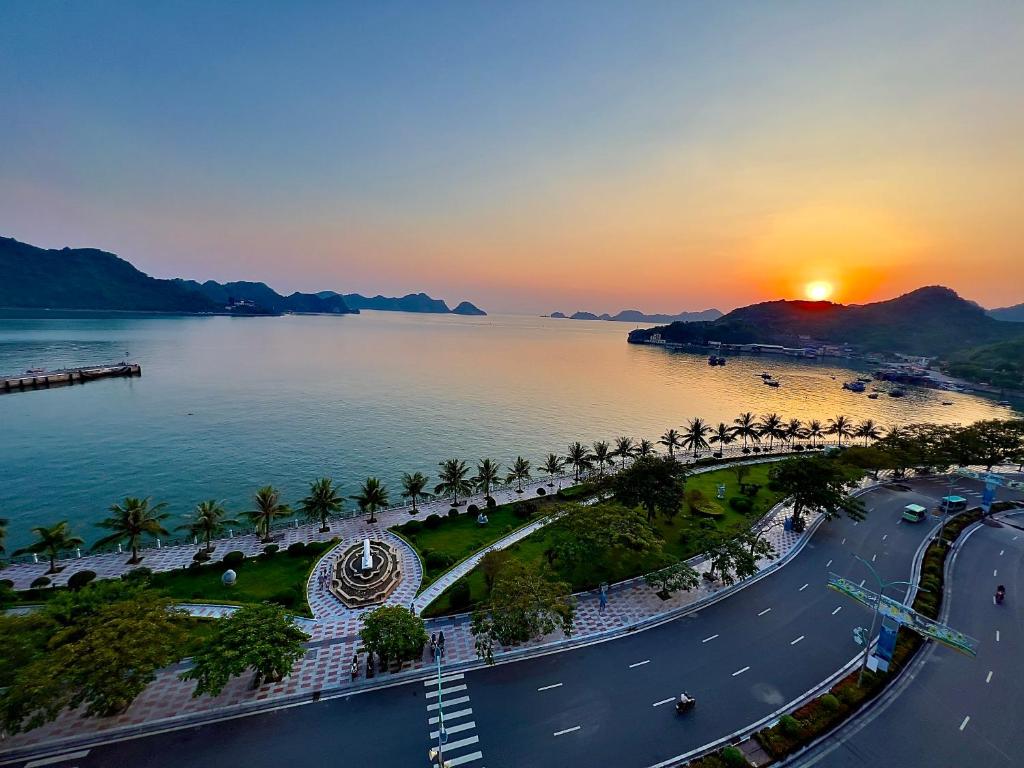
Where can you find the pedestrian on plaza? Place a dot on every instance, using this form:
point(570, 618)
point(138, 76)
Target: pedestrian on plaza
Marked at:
point(433, 645)
point(440, 642)
point(602, 597)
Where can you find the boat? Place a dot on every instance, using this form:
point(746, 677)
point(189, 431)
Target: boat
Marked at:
point(897, 392)
point(765, 375)
point(865, 379)
point(854, 386)
point(947, 402)
point(1004, 402)
point(771, 382)
point(35, 371)
point(873, 396)
point(713, 360)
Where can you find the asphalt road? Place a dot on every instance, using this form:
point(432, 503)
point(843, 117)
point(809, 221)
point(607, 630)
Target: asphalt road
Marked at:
point(958, 710)
point(603, 704)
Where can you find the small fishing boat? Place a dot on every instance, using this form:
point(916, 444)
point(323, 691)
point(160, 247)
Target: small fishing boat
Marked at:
point(873, 396)
point(947, 402)
point(897, 392)
point(854, 386)
point(771, 382)
point(765, 375)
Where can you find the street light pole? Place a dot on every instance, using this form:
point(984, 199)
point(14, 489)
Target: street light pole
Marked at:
point(882, 586)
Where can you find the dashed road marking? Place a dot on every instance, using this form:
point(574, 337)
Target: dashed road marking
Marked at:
point(965, 722)
point(455, 728)
point(709, 639)
point(451, 716)
point(997, 635)
point(837, 610)
point(762, 613)
point(874, 557)
point(794, 642)
point(448, 703)
point(445, 691)
point(1001, 552)
point(663, 701)
point(862, 582)
point(805, 586)
point(886, 536)
point(639, 663)
point(988, 677)
point(549, 687)
point(995, 572)
point(444, 679)
point(740, 671)
point(566, 730)
point(844, 539)
point(828, 564)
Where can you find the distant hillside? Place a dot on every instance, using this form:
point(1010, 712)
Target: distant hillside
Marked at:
point(411, 302)
point(1001, 364)
point(86, 278)
point(928, 321)
point(1014, 314)
point(266, 297)
point(636, 316)
point(468, 308)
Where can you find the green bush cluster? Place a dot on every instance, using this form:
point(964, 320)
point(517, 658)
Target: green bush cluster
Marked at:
point(461, 594)
point(432, 522)
point(233, 559)
point(742, 504)
point(78, 580)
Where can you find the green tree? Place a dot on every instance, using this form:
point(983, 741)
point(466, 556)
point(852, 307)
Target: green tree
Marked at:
point(695, 436)
point(868, 430)
point(454, 477)
point(52, 541)
point(487, 476)
point(816, 483)
point(795, 431)
point(597, 536)
point(624, 449)
point(491, 564)
point(523, 605)
point(644, 449)
point(657, 484)
point(207, 520)
point(414, 487)
point(322, 503)
point(671, 440)
point(371, 497)
point(672, 578)
point(723, 436)
point(734, 558)
point(580, 458)
point(815, 431)
point(841, 426)
point(394, 633)
point(746, 427)
point(130, 521)
point(553, 465)
point(269, 508)
point(602, 456)
point(260, 638)
point(519, 472)
point(772, 428)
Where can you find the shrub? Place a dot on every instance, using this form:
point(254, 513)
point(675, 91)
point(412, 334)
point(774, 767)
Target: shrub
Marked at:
point(412, 527)
point(746, 451)
point(756, 449)
point(79, 579)
point(460, 596)
point(201, 556)
point(453, 512)
point(541, 492)
point(798, 448)
point(288, 598)
point(829, 703)
point(522, 511)
point(741, 504)
point(472, 509)
point(40, 582)
point(7, 583)
point(194, 565)
point(235, 558)
point(717, 454)
point(432, 521)
point(270, 550)
point(491, 503)
point(137, 574)
point(296, 549)
point(437, 560)
point(733, 758)
point(789, 726)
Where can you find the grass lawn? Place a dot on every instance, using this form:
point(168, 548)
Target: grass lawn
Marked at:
point(531, 549)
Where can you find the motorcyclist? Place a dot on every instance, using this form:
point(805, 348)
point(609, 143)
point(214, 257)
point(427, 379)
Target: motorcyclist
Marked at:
point(685, 702)
point(1000, 593)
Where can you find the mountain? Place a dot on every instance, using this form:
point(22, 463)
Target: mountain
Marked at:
point(411, 302)
point(262, 295)
point(1014, 314)
point(1000, 364)
point(930, 321)
point(636, 316)
point(86, 278)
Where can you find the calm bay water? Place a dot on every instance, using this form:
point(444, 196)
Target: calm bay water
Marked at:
point(225, 405)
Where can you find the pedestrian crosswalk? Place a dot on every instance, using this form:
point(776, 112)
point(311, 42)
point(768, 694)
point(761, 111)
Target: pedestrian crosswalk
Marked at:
point(448, 710)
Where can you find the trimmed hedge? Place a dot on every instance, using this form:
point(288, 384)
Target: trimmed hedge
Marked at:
point(40, 581)
point(79, 579)
point(235, 558)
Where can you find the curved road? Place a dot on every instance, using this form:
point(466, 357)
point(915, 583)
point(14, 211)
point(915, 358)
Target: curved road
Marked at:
point(607, 703)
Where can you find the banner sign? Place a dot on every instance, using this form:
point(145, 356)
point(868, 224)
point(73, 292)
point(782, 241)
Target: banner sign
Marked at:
point(988, 496)
point(884, 647)
point(991, 478)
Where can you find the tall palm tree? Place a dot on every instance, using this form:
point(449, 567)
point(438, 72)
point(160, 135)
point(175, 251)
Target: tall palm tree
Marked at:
point(624, 449)
point(552, 466)
point(579, 457)
point(771, 426)
point(695, 436)
point(795, 431)
point(815, 431)
point(746, 427)
point(644, 448)
point(323, 502)
point(371, 497)
point(414, 487)
point(52, 541)
point(487, 474)
point(868, 430)
point(519, 472)
point(130, 521)
point(602, 456)
point(671, 440)
point(207, 520)
point(840, 426)
point(269, 508)
point(454, 480)
point(723, 435)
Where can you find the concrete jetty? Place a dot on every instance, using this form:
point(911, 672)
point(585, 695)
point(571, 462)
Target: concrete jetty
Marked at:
point(38, 378)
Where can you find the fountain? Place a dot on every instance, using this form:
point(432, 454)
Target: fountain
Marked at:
point(365, 574)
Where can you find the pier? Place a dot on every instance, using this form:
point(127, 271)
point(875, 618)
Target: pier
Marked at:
point(42, 379)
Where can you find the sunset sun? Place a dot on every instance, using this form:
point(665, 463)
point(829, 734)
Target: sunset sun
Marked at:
point(819, 290)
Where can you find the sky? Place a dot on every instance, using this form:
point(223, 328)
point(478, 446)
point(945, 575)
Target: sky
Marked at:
point(529, 157)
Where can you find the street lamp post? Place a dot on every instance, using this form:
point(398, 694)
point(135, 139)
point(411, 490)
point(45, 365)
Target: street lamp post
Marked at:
point(882, 586)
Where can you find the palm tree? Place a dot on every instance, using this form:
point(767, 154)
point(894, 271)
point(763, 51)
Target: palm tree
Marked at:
point(487, 474)
point(624, 449)
point(371, 497)
point(603, 456)
point(771, 427)
point(414, 487)
point(695, 436)
point(129, 521)
point(579, 457)
point(746, 427)
point(795, 431)
point(868, 430)
point(671, 440)
point(207, 520)
point(552, 466)
point(644, 448)
point(520, 471)
point(323, 502)
point(723, 435)
point(268, 509)
point(52, 541)
point(815, 431)
point(840, 426)
point(454, 480)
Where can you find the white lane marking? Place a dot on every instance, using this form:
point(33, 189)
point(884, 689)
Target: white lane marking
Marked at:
point(640, 663)
point(862, 582)
point(797, 640)
point(461, 743)
point(997, 635)
point(805, 586)
point(453, 689)
point(995, 572)
point(762, 613)
point(1001, 552)
point(709, 639)
point(988, 677)
point(886, 536)
point(464, 759)
point(57, 759)
point(455, 728)
point(837, 610)
point(663, 701)
point(449, 703)
point(829, 563)
point(844, 539)
point(445, 679)
point(740, 671)
point(1014, 538)
point(567, 730)
point(451, 716)
point(965, 722)
point(549, 687)
point(874, 557)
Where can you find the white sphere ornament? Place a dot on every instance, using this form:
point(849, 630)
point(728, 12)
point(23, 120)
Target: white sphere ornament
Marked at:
point(229, 578)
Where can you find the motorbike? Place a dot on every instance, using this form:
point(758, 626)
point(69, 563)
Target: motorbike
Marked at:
point(355, 666)
point(685, 703)
point(1000, 594)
